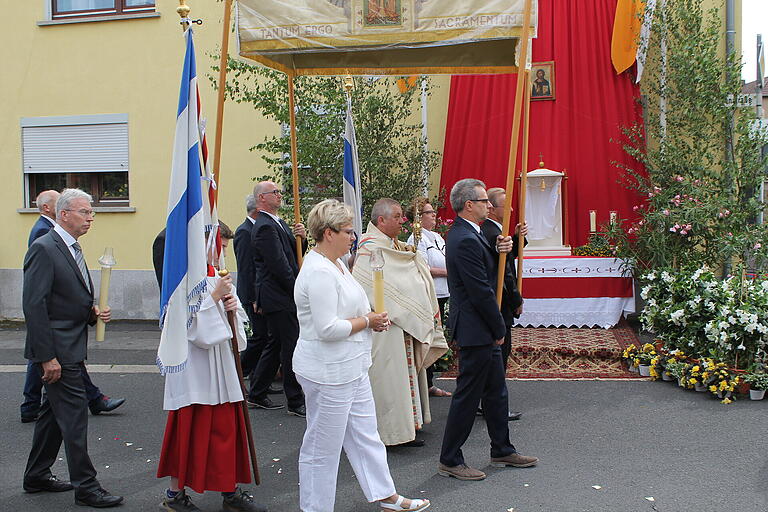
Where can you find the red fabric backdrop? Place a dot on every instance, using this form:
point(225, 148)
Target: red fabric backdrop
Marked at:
point(573, 132)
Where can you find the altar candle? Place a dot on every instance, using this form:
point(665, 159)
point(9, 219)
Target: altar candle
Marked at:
point(614, 217)
point(378, 291)
point(592, 221)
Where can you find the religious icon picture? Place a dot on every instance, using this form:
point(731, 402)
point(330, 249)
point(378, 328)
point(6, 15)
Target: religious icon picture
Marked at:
point(543, 81)
point(382, 13)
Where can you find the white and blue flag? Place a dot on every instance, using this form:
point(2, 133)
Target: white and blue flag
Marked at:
point(184, 265)
point(353, 196)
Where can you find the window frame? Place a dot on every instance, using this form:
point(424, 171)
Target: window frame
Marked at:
point(74, 178)
point(120, 9)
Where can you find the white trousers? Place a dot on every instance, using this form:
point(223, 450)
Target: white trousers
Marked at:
point(340, 416)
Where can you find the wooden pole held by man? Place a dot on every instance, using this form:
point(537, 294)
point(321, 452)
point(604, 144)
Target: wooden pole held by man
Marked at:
point(522, 82)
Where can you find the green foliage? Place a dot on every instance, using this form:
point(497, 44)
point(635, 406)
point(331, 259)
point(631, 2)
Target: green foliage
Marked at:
point(701, 158)
point(598, 246)
point(393, 160)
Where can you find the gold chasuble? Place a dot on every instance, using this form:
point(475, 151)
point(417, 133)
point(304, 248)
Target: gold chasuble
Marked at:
point(415, 340)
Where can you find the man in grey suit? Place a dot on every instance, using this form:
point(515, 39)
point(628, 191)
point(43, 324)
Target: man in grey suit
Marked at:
point(98, 402)
point(58, 306)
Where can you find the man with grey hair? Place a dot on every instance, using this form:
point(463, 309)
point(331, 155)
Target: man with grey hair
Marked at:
point(478, 330)
point(58, 304)
point(415, 340)
point(246, 289)
point(33, 385)
point(273, 243)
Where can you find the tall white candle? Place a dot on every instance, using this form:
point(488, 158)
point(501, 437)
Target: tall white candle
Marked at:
point(592, 221)
point(614, 216)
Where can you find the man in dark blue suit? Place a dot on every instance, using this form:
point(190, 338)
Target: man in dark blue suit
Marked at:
point(478, 330)
point(33, 385)
point(273, 244)
point(246, 290)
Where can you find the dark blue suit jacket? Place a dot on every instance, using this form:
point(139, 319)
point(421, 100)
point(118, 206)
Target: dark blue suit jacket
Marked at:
point(246, 273)
point(41, 227)
point(474, 316)
point(275, 264)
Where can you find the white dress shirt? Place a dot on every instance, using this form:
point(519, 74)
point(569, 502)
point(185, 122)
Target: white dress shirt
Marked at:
point(327, 352)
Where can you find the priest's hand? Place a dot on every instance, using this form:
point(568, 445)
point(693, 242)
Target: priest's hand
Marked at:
point(223, 288)
point(503, 244)
point(521, 229)
point(299, 230)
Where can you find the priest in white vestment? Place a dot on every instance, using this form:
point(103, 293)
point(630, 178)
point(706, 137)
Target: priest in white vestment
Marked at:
point(414, 341)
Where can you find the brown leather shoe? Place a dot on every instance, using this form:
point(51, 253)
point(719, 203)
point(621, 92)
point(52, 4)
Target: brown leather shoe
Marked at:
point(460, 472)
point(515, 460)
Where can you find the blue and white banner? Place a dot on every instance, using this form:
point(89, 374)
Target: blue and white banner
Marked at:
point(353, 196)
point(184, 265)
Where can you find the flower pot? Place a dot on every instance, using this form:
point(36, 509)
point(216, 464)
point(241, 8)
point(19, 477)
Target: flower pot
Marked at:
point(756, 394)
point(680, 382)
point(727, 395)
point(701, 388)
point(632, 368)
point(666, 376)
point(645, 370)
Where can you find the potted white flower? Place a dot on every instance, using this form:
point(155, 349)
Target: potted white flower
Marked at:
point(758, 383)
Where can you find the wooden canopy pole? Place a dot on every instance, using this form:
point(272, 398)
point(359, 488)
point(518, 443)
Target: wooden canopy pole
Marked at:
point(523, 182)
point(294, 165)
point(220, 101)
point(519, 93)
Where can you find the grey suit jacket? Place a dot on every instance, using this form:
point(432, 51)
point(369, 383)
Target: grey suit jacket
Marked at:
point(57, 303)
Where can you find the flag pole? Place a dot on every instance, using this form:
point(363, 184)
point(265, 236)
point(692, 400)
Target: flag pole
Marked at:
point(523, 182)
point(519, 95)
point(294, 165)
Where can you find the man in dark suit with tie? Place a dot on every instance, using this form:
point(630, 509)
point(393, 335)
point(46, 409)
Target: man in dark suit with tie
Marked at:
point(246, 289)
point(276, 267)
point(58, 306)
point(33, 385)
point(511, 300)
point(478, 330)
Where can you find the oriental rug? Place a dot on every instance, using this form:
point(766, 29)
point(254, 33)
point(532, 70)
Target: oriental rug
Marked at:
point(570, 353)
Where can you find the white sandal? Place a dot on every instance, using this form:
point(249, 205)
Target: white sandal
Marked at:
point(397, 505)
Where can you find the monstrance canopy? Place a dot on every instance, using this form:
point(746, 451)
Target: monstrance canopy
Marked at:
point(378, 37)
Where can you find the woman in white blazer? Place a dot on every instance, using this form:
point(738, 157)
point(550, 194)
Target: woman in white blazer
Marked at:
point(331, 362)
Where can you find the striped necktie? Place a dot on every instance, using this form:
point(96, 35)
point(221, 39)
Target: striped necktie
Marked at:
point(81, 263)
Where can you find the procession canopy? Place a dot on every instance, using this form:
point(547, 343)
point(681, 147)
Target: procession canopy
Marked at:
point(378, 37)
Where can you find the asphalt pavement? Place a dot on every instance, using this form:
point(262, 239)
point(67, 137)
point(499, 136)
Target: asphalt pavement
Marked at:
point(604, 445)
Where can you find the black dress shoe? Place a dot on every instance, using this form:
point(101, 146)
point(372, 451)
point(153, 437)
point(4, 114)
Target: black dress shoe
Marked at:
point(51, 484)
point(416, 443)
point(105, 404)
point(264, 403)
point(274, 389)
point(511, 415)
point(300, 411)
point(28, 418)
point(100, 498)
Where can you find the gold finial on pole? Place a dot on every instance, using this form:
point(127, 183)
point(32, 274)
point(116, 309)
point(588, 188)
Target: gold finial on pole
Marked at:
point(349, 84)
point(183, 10)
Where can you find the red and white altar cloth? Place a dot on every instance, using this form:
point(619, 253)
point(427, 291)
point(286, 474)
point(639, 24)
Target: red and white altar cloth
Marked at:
point(575, 291)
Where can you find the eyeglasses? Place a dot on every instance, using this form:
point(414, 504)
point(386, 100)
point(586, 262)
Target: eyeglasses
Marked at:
point(486, 200)
point(276, 192)
point(83, 212)
point(428, 212)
